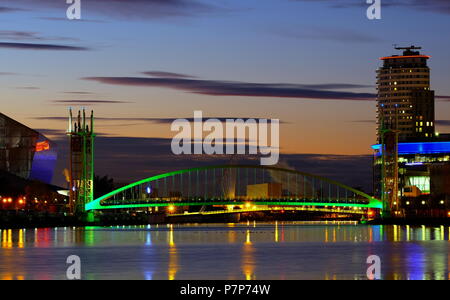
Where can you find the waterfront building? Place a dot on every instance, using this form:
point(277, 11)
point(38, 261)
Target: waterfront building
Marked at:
point(405, 99)
point(411, 160)
point(25, 152)
point(27, 163)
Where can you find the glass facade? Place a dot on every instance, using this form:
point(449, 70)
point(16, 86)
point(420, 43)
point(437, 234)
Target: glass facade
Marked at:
point(25, 152)
point(424, 174)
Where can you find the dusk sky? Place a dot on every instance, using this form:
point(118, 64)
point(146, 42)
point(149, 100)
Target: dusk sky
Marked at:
point(137, 63)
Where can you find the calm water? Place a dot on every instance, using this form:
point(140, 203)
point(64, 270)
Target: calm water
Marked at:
point(227, 251)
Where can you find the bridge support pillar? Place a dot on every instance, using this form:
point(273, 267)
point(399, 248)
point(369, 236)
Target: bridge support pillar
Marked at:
point(89, 217)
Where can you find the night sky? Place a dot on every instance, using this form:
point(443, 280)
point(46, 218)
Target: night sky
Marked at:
point(140, 63)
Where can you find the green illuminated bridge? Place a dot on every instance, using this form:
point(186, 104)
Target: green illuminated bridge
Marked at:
point(234, 186)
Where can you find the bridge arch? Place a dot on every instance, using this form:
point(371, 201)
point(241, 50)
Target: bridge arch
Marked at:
point(235, 185)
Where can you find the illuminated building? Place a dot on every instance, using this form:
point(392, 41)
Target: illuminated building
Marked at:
point(27, 162)
point(424, 176)
point(412, 162)
point(405, 98)
point(265, 191)
point(25, 152)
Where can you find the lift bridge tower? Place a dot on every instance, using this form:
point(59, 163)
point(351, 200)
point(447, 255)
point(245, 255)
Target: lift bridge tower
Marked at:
point(81, 136)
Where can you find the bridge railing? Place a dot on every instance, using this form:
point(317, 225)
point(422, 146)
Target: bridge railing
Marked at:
point(235, 185)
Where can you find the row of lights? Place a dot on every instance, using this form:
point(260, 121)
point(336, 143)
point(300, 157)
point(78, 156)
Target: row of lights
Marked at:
point(20, 201)
point(442, 202)
point(10, 200)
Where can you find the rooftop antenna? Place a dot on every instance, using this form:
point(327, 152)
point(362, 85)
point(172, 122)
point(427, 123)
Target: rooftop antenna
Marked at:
point(407, 48)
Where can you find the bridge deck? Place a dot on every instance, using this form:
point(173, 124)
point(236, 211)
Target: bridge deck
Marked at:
point(354, 211)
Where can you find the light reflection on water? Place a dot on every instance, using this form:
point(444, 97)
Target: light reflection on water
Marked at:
point(227, 251)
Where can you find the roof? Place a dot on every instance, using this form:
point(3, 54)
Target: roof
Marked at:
point(403, 56)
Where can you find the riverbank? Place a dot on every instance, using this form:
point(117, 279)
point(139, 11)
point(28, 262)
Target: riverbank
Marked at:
point(411, 222)
point(21, 219)
point(16, 220)
point(25, 220)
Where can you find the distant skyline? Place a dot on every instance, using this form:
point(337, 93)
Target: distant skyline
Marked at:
point(140, 64)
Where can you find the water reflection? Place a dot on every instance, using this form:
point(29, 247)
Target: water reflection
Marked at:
point(248, 261)
point(7, 239)
point(173, 255)
point(280, 250)
point(277, 237)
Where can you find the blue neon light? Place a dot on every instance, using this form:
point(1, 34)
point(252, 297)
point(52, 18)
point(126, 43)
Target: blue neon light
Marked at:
point(420, 148)
point(415, 164)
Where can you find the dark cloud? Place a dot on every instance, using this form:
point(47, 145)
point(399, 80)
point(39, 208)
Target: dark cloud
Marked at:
point(51, 132)
point(28, 88)
point(231, 88)
point(331, 34)
point(191, 120)
point(443, 122)
point(443, 98)
point(132, 9)
point(79, 93)
point(8, 74)
point(31, 46)
point(29, 36)
point(89, 102)
point(364, 121)
point(5, 9)
point(130, 159)
point(438, 122)
point(84, 20)
point(149, 120)
point(440, 6)
point(166, 74)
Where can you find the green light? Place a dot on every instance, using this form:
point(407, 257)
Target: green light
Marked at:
point(97, 204)
point(224, 203)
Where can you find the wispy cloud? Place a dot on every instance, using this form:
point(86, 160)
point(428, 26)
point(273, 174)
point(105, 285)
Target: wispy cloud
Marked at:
point(15, 35)
point(439, 6)
point(167, 74)
point(8, 74)
point(28, 88)
point(374, 122)
point(331, 34)
point(89, 102)
point(149, 120)
point(32, 46)
point(245, 89)
point(364, 121)
point(443, 98)
point(83, 20)
point(443, 122)
point(79, 93)
point(134, 9)
point(6, 9)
